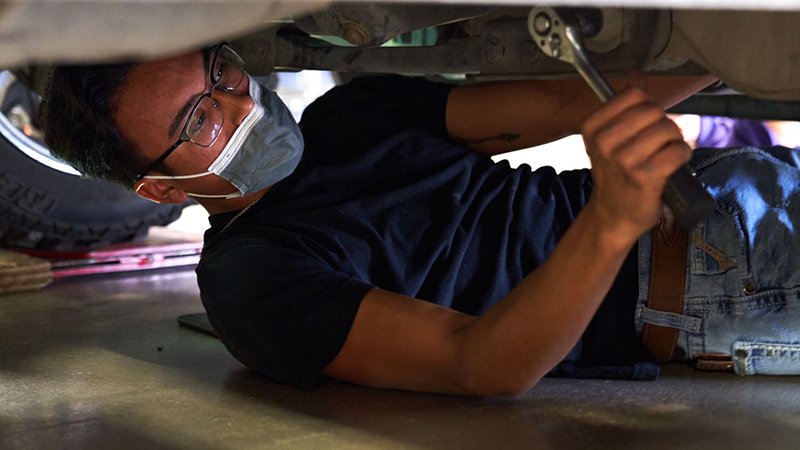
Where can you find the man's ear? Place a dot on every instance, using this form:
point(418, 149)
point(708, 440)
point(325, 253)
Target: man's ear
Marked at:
point(160, 192)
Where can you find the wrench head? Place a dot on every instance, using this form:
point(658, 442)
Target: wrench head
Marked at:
point(559, 36)
point(549, 31)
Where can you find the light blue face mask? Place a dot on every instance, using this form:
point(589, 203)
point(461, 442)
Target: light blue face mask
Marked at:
point(263, 150)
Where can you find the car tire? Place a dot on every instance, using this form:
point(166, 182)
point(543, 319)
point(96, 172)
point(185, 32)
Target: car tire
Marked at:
point(44, 208)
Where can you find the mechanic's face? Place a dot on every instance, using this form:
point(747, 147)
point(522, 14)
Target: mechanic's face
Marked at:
point(160, 93)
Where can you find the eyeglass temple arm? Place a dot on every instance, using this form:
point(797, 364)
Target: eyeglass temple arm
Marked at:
point(158, 162)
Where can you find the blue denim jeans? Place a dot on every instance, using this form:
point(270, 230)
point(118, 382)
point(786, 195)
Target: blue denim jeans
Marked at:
point(742, 294)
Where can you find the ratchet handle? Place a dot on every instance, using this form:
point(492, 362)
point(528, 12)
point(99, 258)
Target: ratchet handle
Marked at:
point(686, 197)
point(684, 194)
point(558, 36)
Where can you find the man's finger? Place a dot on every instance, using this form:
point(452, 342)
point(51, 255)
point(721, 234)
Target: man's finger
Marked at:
point(667, 160)
point(625, 100)
point(651, 140)
point(629, 124)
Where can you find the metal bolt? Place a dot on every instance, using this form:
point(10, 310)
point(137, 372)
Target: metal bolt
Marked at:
point(541, 23)
point(555, 45)
point(493, 50)
point(355, 33)
point(750, 288)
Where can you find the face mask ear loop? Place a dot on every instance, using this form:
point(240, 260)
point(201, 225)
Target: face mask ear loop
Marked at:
point(177, 177)
point(225, 196)
point(137, 193)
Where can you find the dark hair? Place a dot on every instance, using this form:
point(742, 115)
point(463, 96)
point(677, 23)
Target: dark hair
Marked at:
point(75, 116)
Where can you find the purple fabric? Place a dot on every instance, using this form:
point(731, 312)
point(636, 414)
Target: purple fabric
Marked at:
point(718, 132)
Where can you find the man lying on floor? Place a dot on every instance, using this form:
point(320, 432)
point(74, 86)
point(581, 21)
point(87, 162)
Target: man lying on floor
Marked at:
point(378, 243)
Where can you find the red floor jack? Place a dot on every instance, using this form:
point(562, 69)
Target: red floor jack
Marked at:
point(24, 269)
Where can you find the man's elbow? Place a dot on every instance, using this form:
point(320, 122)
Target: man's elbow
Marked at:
point(497, 386)
point(482, 369)
point(483, 381)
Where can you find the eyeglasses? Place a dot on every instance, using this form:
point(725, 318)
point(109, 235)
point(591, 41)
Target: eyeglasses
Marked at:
point(206, 119)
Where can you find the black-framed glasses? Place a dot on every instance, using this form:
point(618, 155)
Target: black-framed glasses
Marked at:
point(205, 121)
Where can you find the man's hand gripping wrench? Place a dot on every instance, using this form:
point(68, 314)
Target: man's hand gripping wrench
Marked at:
point(562, 39)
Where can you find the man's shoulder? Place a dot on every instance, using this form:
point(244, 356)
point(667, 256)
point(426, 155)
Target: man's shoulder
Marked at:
point(351, 118)
point(223, 254)
point(242, 255)
point(220, 245)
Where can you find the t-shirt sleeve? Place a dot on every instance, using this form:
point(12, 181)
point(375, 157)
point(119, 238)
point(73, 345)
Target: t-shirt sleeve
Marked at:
point(279, 312)
point(358, 115)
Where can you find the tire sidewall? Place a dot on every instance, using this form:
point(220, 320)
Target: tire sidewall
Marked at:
point(42, 207)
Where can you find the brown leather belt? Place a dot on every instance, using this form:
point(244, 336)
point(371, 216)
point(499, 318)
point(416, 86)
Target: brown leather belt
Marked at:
point(667, 284)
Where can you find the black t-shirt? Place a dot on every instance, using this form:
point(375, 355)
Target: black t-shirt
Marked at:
point(382, 198)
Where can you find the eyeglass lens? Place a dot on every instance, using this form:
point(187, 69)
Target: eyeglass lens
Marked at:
point(228, 69)
point(206, 122)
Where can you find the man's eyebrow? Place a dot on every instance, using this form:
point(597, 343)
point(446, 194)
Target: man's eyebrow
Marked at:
point(178, 120)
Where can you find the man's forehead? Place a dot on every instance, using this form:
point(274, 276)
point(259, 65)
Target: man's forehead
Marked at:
point(154, 92)
point(172, 71)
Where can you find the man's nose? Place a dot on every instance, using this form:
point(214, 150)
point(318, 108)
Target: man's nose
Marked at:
point(236, 105)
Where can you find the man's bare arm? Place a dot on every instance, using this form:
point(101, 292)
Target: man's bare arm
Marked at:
point(501, 117)
point(399, 342)
point(404, 343)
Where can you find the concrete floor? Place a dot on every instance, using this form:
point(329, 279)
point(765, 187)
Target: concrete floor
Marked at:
point(80, 367)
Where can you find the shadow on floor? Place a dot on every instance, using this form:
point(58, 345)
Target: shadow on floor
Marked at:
point(556, 414)
point(81, 433)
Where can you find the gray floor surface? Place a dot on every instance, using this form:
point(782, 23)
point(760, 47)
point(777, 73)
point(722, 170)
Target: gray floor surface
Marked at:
point(102, 363)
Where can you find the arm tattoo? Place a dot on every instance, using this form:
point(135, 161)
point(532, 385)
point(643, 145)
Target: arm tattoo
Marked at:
point(508, 137)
